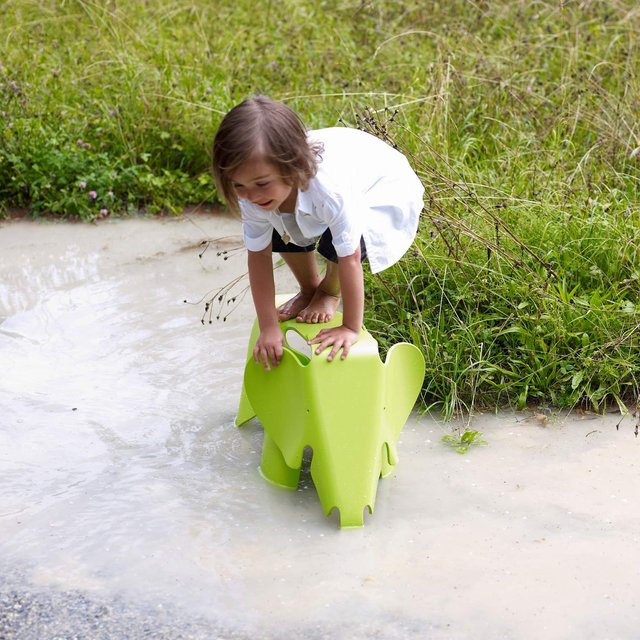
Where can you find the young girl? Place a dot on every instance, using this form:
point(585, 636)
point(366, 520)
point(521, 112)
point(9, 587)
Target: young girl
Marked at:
point(340, 191)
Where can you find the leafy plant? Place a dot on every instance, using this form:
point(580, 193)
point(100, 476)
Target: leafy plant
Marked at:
point(462, 443)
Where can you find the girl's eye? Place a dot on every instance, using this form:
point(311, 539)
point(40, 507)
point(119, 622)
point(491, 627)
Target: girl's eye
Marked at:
point(261, 184)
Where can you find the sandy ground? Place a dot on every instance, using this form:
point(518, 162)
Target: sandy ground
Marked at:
point(131, 507)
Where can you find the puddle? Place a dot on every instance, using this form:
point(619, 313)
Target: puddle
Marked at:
point(127, 490)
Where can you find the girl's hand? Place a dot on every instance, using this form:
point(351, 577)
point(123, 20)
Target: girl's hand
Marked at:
point(340, 337)
point(268, 349)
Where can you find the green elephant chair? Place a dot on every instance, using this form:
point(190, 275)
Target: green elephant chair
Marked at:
point(350, 412)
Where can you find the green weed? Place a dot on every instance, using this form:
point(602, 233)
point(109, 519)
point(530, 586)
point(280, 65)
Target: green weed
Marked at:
point(462, 443)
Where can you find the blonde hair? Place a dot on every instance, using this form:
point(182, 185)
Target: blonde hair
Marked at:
point(270, 130)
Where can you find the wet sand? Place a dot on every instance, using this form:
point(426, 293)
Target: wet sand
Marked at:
point(132, 507)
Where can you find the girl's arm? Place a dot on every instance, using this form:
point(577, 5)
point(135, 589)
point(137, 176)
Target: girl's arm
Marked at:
point(268, 348)
point(352, 290)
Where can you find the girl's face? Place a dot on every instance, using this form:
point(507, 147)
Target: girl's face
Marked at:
point(259, 182)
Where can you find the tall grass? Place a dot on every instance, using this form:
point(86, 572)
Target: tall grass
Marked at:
point(522, 120)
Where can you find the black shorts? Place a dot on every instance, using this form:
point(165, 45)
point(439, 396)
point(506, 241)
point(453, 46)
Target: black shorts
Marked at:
point(324, 246)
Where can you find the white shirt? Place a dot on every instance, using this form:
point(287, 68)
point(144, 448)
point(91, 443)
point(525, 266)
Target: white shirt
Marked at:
point(363, 188)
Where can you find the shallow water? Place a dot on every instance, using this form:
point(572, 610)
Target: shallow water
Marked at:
point(124, 479)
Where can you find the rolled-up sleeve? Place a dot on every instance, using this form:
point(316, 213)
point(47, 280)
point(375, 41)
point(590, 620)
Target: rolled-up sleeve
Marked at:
point(256, 229)
point(345, 223)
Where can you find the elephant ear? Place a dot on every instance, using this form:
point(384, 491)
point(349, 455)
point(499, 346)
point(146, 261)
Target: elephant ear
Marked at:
point(404, 376)
point(281, 403)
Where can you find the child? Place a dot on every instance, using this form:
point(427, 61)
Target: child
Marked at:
point(341, 191)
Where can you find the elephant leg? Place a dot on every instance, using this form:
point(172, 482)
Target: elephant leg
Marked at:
point(274, 468)
point(347, 482)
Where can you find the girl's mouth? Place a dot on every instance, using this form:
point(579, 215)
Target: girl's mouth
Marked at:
point(265, 204)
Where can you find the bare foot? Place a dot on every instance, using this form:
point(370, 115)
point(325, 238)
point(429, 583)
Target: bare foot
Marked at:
point(320, 309)
point(291, 308)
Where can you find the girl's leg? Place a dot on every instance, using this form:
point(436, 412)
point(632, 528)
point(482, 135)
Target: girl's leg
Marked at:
point(304, 268)
point(319, 297)
point(322, 306)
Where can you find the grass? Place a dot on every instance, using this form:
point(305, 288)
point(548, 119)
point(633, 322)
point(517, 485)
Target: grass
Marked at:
point(520, 118)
